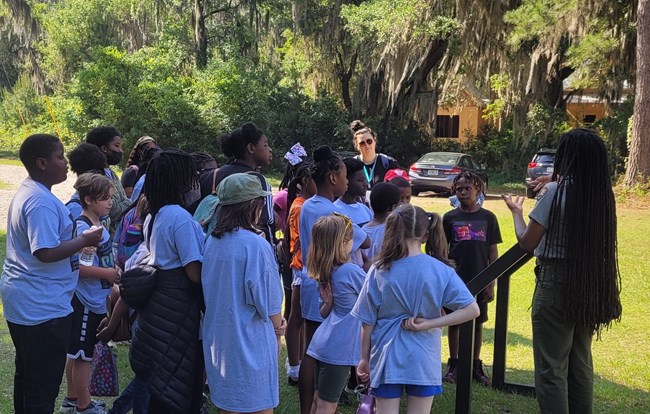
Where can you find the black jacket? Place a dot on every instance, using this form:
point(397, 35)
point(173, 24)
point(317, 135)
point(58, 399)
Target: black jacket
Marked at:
point(165, 350)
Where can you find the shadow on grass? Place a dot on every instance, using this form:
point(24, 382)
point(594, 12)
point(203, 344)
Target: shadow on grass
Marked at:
point(512, 339)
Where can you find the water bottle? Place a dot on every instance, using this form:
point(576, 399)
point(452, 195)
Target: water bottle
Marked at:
point(87, 256)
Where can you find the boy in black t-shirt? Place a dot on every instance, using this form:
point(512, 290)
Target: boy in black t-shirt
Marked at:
point(473, 234)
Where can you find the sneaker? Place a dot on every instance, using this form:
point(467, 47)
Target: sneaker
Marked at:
point(92, 409)
point(291, 381)
point(450, 375)
point(68, 405)
point(204, 404)
point(479, 375)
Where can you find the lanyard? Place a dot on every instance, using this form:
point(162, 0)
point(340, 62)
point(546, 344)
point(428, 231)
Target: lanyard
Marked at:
point(370, 175)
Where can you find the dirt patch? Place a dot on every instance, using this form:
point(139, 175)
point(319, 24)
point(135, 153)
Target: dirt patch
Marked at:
point(12, 176)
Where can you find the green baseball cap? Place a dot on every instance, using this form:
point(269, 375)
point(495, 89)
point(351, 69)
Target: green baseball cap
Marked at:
point(240, 187)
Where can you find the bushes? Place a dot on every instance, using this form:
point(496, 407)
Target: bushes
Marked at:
point(149, 92)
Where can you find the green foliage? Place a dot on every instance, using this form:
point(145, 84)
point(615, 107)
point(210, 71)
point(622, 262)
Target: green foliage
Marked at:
point(543, 127)
point(534, 19)
point(590, 57)
point(384, 21)
point(615, 130)
point(499, 83)
point(139, 95)
point(22, 112)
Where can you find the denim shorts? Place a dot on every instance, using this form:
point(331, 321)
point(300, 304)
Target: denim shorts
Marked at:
point(396, 390)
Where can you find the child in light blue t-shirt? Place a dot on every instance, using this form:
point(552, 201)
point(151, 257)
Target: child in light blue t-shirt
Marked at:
point(384, 197)
point(336, 343)
point(348, 203)
point(400, 310)
point(89, 300)
point(40, 274)
point(329, 175)
point(166, 347)
point(243, 302)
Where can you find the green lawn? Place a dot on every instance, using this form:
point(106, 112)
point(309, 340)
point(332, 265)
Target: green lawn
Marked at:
point(621, 358)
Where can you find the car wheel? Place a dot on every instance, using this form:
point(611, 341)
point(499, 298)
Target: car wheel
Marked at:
point(530, 193)
point(415, 192)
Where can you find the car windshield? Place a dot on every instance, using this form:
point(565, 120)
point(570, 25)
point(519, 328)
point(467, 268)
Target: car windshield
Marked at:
point(439, 158)
point(545, 158)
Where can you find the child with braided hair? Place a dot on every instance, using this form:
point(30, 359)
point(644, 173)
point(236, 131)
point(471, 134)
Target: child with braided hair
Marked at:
point(166, 349)
point(472, 234)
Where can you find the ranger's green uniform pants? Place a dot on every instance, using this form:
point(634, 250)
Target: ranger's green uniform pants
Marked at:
point(564, 373)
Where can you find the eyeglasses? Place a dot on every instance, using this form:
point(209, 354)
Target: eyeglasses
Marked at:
point(348, 222)
point(368, 142)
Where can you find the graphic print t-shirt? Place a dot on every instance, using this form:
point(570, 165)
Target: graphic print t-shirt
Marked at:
point(470, 236)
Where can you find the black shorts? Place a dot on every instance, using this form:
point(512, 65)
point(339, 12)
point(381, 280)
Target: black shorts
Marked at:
point(330, 380)
point(84, 331)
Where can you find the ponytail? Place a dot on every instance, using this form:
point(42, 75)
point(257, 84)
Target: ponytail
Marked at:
point(404, 223)
point(436, 245)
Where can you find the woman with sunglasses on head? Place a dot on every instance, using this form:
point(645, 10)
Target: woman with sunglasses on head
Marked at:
point(375, 164)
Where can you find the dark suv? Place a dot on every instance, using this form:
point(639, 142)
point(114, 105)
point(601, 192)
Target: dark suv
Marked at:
point(542, 164)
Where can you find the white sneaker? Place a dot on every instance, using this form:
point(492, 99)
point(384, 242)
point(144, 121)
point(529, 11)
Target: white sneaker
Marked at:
point(92, 409)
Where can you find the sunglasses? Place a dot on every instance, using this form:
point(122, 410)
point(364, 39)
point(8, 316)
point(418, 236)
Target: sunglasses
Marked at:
point(368, 142)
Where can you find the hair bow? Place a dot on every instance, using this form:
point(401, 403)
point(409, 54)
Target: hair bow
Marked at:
point(295, 154)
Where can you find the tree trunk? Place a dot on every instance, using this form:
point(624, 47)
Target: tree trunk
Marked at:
point(200, 35)
point(638, 164)
point(344, 73)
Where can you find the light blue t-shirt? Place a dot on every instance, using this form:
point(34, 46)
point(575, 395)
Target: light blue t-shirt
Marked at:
point(32, 291)
point(313, 209)
point(413, 286)
point(92, 292)
point(242, 291)
point(376, 234)
point(176, 238)
point(337, 340)
point(359, 213)
point(137, 188)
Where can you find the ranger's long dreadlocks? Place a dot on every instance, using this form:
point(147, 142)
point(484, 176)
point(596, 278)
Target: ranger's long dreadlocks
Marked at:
point(171, 173)
point(584, 212)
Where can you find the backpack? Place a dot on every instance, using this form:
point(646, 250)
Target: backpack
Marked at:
point(128, 236)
